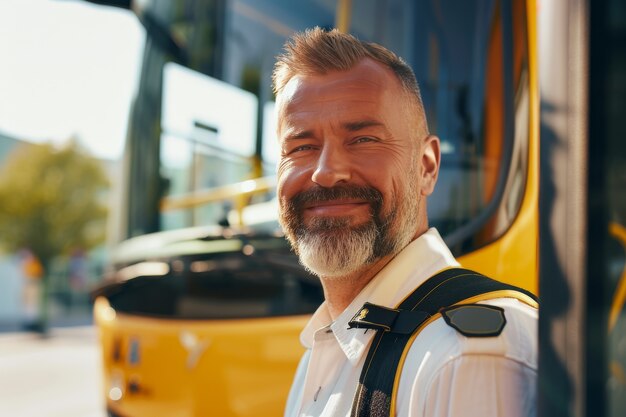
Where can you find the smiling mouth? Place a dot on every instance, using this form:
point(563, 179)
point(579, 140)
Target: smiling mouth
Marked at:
point(335, 207)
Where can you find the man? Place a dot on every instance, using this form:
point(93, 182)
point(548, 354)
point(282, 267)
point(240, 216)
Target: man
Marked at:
point(357, 164)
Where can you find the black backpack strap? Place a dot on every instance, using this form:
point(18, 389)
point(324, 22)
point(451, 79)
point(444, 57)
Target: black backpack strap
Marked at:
point(397, 328)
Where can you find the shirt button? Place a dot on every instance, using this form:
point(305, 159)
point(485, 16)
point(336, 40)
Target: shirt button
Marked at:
point(317, 393)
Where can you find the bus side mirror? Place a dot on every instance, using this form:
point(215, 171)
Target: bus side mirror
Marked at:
point(155, 30)
point(123, 4)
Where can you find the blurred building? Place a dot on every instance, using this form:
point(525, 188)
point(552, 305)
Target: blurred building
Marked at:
point(7, 144)
point(71, 277)
point(12, 278)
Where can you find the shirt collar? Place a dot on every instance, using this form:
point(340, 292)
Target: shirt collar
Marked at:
point(417, 262)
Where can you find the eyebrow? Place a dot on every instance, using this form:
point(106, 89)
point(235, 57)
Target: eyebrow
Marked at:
point(349, 126)
point(302, 134)
point(360, 124)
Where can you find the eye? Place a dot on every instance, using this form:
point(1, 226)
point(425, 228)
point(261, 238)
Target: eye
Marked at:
point(301, 148)
point(365, 139)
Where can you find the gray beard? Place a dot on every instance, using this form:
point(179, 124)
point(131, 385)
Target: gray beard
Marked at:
point(331, 248)
point(337, 251)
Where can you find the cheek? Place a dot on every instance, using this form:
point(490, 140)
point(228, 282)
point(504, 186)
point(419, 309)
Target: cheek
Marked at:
point(387, 173)
point(391, 196)
point(282, 169)
point(291, 179)
point(400, 186)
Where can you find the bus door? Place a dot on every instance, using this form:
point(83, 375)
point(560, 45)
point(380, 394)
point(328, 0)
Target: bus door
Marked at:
point(582, 367)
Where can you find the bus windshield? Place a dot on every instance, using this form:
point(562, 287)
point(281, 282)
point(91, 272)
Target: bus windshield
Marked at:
point(204, 114)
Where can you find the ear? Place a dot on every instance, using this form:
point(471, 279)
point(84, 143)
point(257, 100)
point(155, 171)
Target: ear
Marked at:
point(431, 157)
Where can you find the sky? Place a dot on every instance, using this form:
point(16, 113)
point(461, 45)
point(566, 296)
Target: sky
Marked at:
point(68, 68)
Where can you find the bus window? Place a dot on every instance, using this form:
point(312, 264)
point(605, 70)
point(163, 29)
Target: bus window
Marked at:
point(203, 142)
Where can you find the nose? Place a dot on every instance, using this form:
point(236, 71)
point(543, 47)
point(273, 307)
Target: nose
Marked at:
point(333, 166)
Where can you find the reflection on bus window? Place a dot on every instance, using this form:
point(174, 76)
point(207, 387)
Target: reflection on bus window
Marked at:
point(471, 65)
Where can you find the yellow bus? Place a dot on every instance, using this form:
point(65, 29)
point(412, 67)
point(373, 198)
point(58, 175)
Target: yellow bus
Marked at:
point(205, 301)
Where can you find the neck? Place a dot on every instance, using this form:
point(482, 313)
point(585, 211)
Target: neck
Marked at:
point(340, 291)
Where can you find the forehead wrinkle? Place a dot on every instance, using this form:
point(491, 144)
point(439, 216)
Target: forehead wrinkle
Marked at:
point(303, 100)
point(318, 87)
point(325, 106)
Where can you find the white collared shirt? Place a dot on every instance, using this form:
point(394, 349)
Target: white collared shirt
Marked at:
point(445, 374)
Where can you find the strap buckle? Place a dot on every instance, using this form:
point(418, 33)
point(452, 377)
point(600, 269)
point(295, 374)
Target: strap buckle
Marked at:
point(372, 316)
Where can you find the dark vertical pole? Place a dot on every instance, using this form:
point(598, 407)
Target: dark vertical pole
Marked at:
point(597, 213)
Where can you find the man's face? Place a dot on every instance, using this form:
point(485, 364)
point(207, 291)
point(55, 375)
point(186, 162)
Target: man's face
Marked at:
point(350, 176)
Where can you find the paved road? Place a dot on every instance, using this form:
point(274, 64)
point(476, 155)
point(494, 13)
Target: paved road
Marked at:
point(58, 376)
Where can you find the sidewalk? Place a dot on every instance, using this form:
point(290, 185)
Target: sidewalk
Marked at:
point(54, 376)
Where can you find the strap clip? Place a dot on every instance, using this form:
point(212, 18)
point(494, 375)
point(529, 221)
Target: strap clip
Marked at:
point(372, 316)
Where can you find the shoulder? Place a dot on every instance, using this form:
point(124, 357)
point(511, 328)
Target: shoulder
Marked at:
point(441, 356)
point(517, 340)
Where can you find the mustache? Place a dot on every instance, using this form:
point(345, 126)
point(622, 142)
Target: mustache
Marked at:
point(321, 194)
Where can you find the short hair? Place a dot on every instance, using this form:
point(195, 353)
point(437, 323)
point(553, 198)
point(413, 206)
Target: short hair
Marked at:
point(317, 52)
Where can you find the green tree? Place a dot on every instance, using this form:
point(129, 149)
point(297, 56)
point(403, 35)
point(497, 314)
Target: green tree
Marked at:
point(51, 203)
